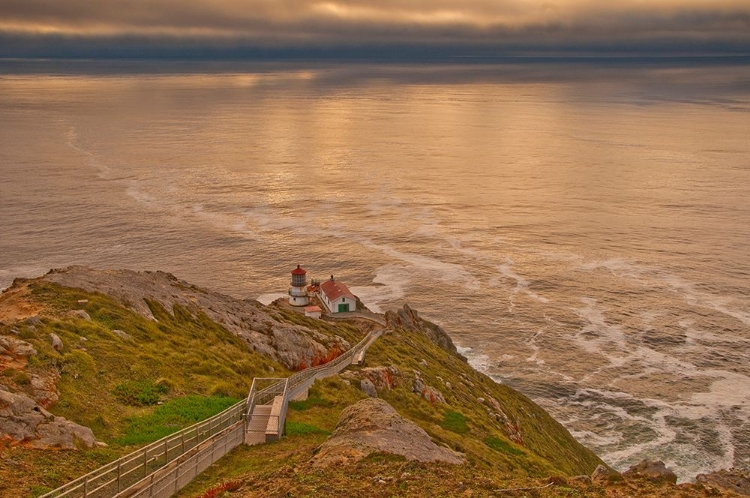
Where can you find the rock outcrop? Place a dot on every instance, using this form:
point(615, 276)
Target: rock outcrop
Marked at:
point(604, 474)
point(368, 388)
point(23, 420)
point(13, 347)
point(372, 425)
point(734, 480)
point(408, 319)
point(653, 470)
point(295, 346)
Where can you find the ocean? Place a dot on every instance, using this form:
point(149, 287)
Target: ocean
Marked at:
point(580, 228)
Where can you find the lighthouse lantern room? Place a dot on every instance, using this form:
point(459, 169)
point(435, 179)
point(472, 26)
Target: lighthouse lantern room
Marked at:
point(298, 291)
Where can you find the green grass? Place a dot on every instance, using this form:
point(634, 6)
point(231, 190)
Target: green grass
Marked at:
point(455, 422)
point(498, 444)
point(300, 428)
point(171, 417)
point(310, 402)
point(104, 380)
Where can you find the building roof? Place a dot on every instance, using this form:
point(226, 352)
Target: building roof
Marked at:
point(299, 271)
point(312, 309)
point(335, 289)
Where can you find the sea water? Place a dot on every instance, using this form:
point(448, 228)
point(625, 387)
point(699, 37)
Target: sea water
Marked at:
point(581, 229)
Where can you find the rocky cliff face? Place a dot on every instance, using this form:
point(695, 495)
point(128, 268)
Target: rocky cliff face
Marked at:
point(23, 420)
point(408, 319)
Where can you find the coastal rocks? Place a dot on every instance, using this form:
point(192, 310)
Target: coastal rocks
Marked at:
point(372, 425)
point(56, 342)
point(368, 388)
point(23, 420)
point(654, 471)
point(734, 480)
point(408, 319)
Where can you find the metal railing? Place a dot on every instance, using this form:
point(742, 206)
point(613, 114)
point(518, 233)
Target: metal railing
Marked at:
point(169, 479)
point(297, 383)
point(124, 472)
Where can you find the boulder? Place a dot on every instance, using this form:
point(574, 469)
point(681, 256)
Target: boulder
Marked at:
point(80, 314)
point(653, 470)
point(371, 426)
point(64, 434)
point(603, 473)
point(427, 392)
point(122, 335)
point(15, 347)
point(56, 342)
point(734, 480)
point(369, 388)
point(383, 377)
point(23, 420)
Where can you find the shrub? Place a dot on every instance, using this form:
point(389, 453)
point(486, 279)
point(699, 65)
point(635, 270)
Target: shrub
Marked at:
point(139, 392)
point(171, 417)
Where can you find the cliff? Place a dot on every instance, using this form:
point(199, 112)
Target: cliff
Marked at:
point(115, 359)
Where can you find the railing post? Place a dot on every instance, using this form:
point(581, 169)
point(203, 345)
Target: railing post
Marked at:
point(119, 474)
point(85, 487)
point(183, 443)
point(145, 462)
point(166, 451)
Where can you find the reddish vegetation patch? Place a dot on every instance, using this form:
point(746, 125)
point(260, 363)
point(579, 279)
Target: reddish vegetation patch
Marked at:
point(321, 359)
point(221, 488)
point(15, 304)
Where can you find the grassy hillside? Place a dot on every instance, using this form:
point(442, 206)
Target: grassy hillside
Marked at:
point(183, 367)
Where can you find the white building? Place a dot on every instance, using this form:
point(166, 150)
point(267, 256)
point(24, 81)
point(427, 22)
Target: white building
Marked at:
point(313, 311)
point(298, 291)
point(337, 297)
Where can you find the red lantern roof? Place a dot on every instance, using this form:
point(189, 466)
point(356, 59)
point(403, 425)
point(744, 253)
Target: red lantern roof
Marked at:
point(299, 271)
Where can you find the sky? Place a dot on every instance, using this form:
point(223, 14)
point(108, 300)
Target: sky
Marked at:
point(254, 28)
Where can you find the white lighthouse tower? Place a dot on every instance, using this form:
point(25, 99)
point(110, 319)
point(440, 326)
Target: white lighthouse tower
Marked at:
point(298, 290)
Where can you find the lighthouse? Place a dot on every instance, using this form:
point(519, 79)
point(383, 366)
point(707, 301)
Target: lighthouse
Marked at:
point(298, 290)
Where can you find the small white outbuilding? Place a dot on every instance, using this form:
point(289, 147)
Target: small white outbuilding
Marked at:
point(313, 311)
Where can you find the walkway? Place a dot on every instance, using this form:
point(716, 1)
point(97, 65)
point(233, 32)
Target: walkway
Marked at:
point(166, 466)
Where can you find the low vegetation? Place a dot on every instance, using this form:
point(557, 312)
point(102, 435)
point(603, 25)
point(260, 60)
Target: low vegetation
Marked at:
point(153, 377)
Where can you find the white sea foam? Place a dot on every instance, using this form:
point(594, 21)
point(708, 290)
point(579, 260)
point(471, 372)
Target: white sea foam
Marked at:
point(391, 282)
point(270, 297)
point(522, 285)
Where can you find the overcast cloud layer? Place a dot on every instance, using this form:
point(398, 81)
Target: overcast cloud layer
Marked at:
point(462, 27)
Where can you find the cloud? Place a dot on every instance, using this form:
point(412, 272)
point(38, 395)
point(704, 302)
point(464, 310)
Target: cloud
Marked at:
point(463, 26)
